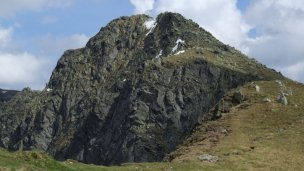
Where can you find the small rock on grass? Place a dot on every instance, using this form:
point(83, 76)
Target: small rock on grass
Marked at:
point(238, 96)
point(282, 98)
point(257, 88)
point(266, 99)
point(208, 158)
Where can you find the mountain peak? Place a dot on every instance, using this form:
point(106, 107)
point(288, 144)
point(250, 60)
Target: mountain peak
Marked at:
point(132, 94)
point(174, 18)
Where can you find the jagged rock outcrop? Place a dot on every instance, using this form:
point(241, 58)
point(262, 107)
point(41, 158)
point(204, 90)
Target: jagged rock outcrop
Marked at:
point(132, 94)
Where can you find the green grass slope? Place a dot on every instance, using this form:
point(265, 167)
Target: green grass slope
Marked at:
point(255, 135)
point(33, 160)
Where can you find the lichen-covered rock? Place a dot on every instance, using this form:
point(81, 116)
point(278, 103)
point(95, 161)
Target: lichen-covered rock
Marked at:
point(113, 101)
point(238, 96)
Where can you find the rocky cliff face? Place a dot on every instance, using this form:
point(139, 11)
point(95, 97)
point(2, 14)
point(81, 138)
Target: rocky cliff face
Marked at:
point(132, 94)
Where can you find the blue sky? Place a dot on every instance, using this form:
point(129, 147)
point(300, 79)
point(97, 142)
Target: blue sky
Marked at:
point(242, 4)
point(34, 34)
point(81, 17)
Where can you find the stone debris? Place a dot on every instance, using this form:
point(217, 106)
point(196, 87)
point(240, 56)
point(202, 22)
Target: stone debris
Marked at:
point(238, 96)
point(257, 88)
point(279, 82)
point(266, 99)
point(208, 158)
point(289, 92)
point(224, 131)
point(282, 98)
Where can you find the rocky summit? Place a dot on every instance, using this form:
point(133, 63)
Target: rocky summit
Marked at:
point(132, 94)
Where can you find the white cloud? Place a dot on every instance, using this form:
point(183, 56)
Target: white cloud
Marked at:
point(9, 8)
point(37, 71)
point(142, 6)
point(5, 37)
point(22, 69)
point(295, 71)
point(25, 69)
point(279, 26)
point(295, 4)
point(55, 46)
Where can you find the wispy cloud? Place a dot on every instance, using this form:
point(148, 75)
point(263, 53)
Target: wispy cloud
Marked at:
point(22, 69)
point(52, 45)
point(5, 37)
point(280, 24)
point(9, 8)
point(19, 68)
point(142, 6)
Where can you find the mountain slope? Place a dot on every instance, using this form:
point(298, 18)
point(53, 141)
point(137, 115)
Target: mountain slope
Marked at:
point(6, 95)
point(258, 134)
point(132, 94)
point(253, 135)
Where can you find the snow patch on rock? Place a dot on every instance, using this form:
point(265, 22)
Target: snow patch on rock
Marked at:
point(49, 89)
point(150, 25)
point(160, 54)
point(176, 44)
point(179, 52)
